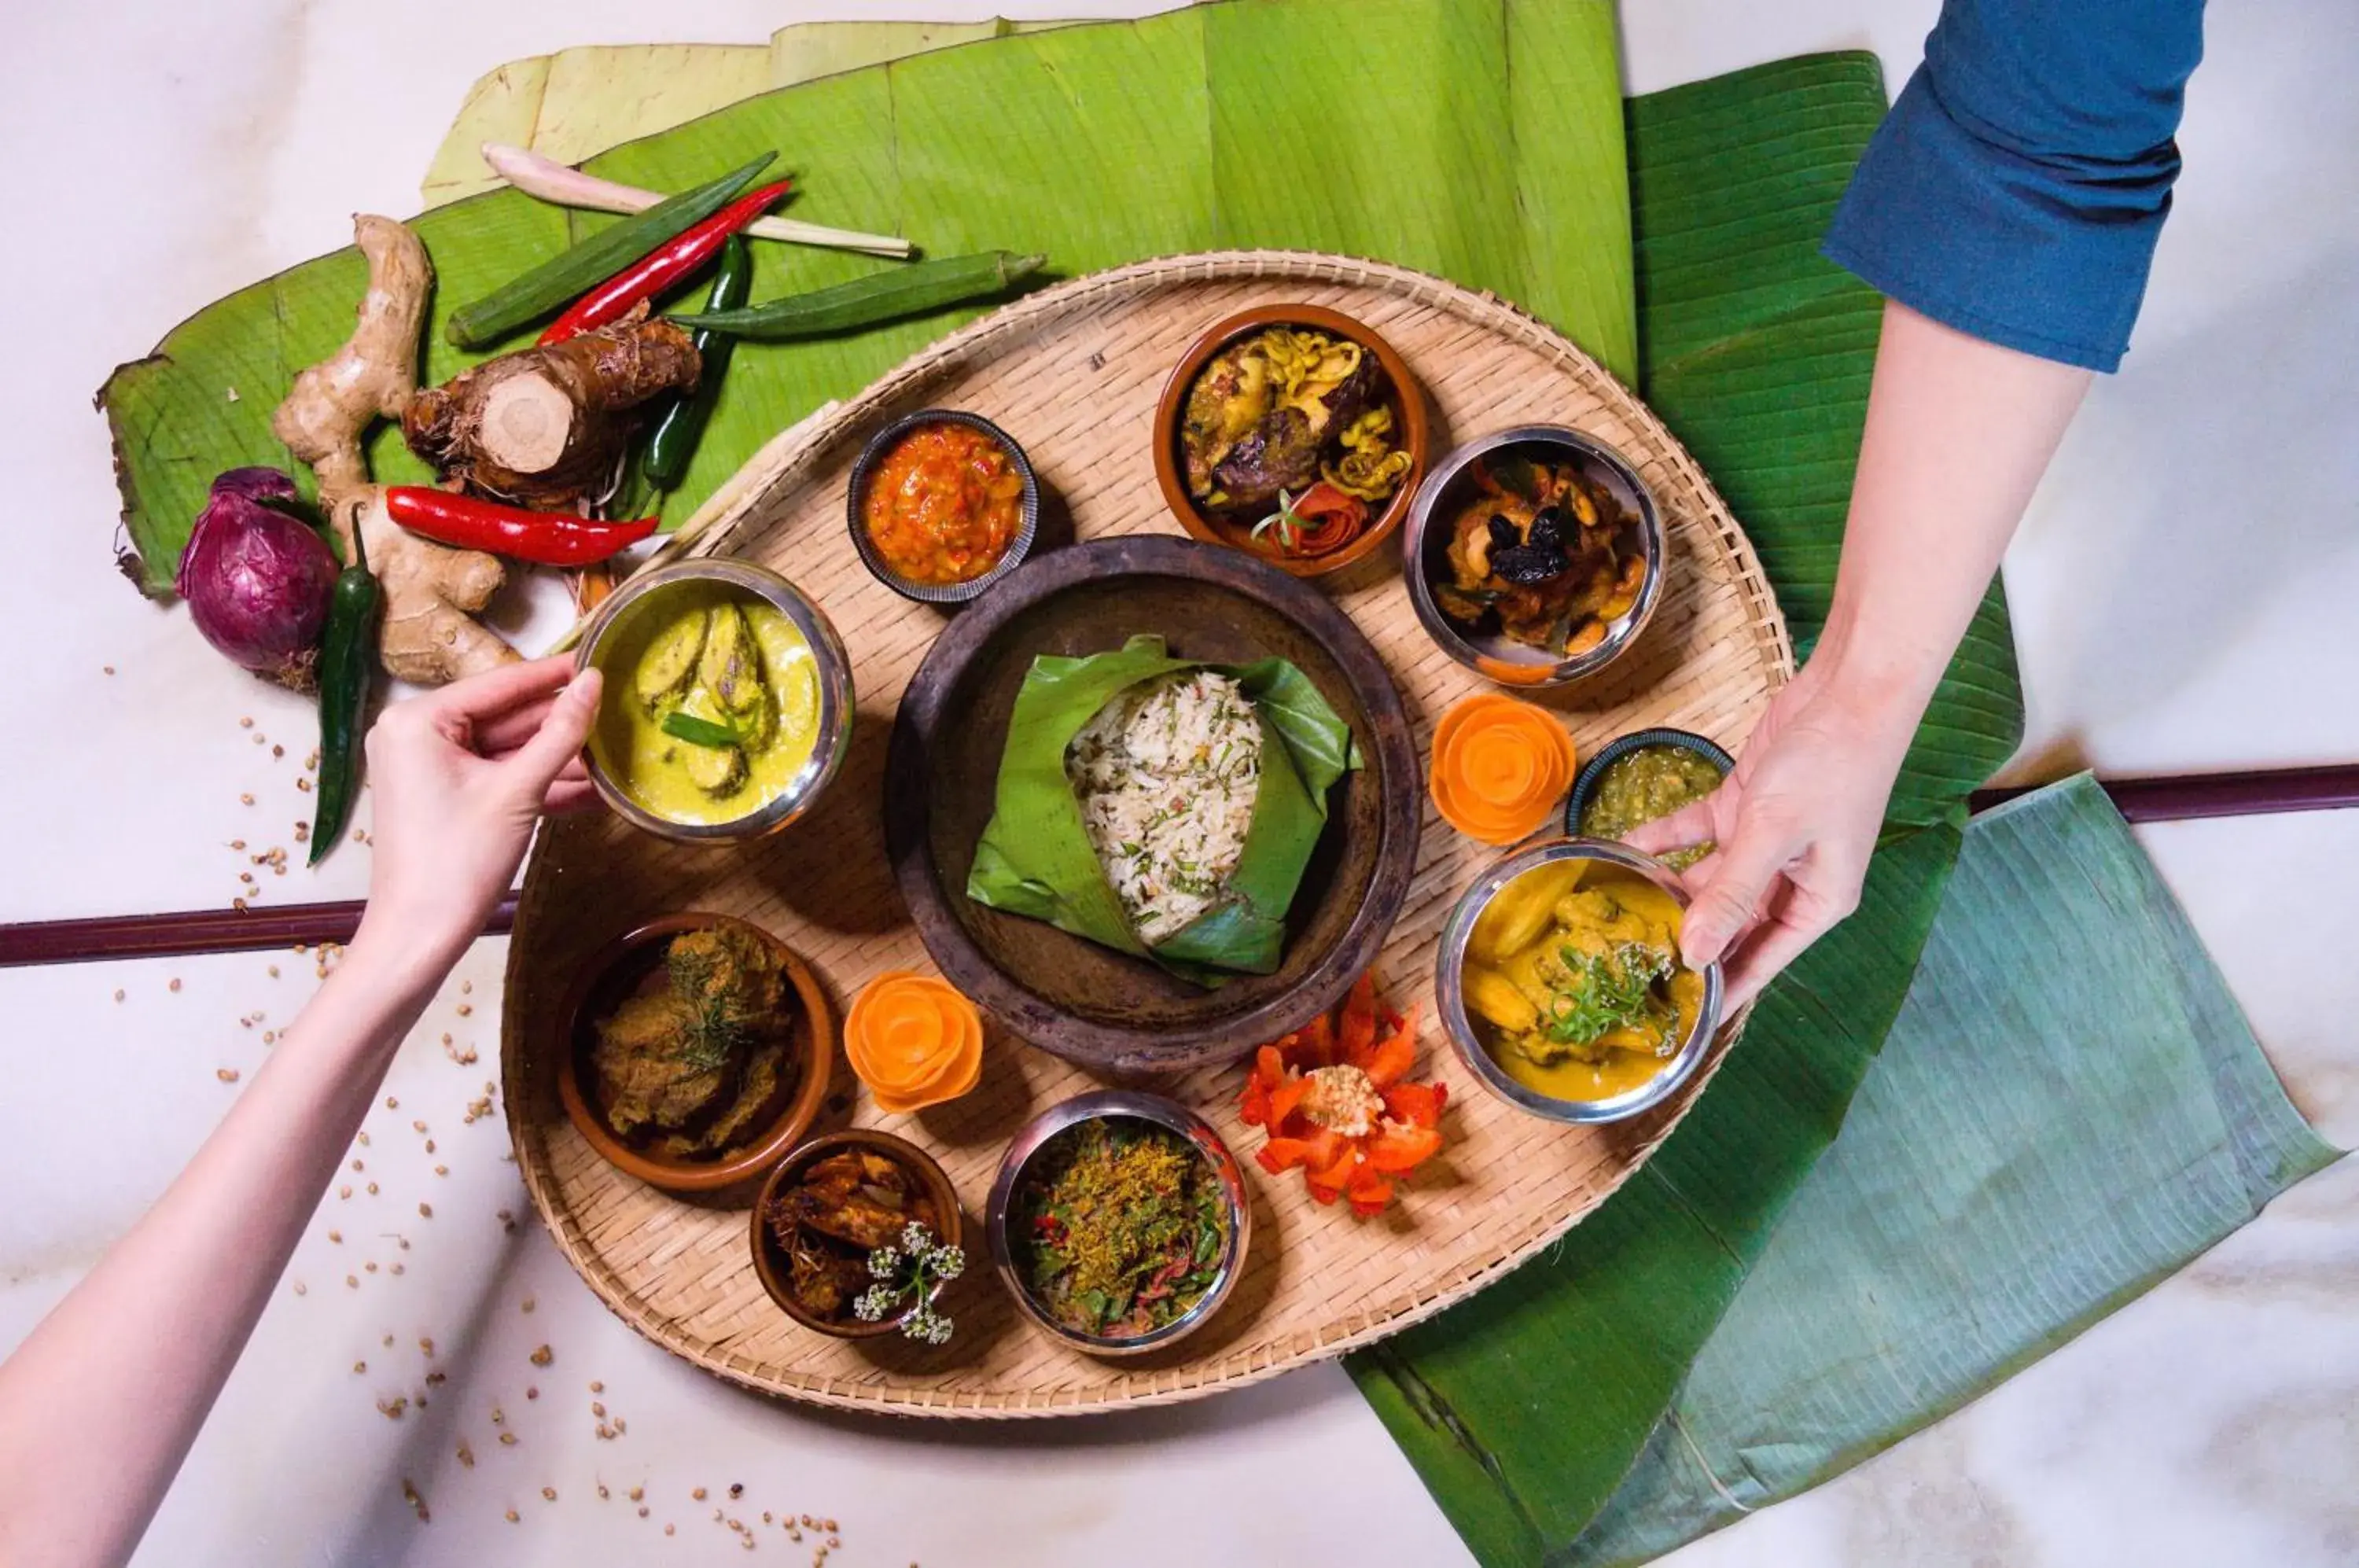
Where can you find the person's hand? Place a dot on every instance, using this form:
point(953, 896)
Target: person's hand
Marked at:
point(1794, 823)
point(460, 777)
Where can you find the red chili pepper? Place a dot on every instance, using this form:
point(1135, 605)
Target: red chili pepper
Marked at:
point(661, 267)
point(550, 539)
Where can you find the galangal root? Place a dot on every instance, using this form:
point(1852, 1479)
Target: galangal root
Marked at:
point(431, 635)
point(547, 426)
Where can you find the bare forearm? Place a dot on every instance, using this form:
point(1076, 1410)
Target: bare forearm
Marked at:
point(140, 1349)
point(1959, 432)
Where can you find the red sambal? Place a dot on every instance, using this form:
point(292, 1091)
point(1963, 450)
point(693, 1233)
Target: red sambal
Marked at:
point(944, 504)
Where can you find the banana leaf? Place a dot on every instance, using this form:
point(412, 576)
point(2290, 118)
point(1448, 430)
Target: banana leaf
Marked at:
point(2006, 1177)
point(1034, 857)
point(1498, 162)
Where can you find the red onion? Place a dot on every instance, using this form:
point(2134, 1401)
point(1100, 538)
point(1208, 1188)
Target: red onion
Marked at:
point(258, 581)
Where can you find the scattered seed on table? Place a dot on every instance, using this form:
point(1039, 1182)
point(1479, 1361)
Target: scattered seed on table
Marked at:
point(543, 1355)
point(466, 1456)
point(274, 972)
point(600, 1411)
point(226, 1075)
point(337, 1236)
point(442, 1170)
point(643, 1510)
point(369, 1266)
point(532, 1392)
point(247, 800)
point(299, 1290)
point(602, 1491)
point(736, 1488)
point(357, 1165)
point(426, 1211)
point(173, 984)
point(391, 1104)
point(549, 1494)
point(512, 1516)
point(429, 1146)
point(109, 669)
point(372, 1189)
point(596, 1387)
point(118, 993)
point(507, 1440)
point(698, 1494)
point(466, 1010)
point(527, 1301)
point(364, 1137)
point(345, 1191)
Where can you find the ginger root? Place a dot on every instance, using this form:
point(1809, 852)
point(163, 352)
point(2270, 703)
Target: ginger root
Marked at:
point(429, 634)
point(548, 427)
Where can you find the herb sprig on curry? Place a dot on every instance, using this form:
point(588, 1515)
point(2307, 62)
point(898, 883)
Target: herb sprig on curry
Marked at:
point(699, 1057)
point(1120, 1228)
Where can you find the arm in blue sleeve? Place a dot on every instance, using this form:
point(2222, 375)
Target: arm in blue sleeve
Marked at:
point(2017, 187)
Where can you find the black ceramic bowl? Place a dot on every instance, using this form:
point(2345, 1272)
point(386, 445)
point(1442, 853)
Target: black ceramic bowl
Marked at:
point(1027, 528)
point(1584, 784)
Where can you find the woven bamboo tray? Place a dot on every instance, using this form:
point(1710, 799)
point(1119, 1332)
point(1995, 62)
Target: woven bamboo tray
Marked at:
point(1072, 373)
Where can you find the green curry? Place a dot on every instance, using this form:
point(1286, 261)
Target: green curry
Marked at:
point(711, 706)
point(1649, 782)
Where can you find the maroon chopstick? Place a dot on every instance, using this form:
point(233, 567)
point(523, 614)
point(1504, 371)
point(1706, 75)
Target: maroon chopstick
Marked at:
point(2188, 797)
point(189, 931)
point(2178, 797)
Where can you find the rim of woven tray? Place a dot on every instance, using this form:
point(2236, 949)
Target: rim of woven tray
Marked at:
point(788, 459)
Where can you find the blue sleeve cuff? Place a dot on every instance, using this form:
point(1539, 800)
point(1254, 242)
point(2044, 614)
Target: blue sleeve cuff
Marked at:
point(2034, 249)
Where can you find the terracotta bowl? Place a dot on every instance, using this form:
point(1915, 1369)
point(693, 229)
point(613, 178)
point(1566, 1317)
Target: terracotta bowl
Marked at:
point(1220, 528)
point(612, 974)
point(771, 1258)
point(1104, 1009)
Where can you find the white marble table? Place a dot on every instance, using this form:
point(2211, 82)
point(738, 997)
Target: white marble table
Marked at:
point(2181, 593)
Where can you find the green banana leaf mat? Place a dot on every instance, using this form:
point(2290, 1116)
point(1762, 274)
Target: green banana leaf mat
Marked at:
point(2065, 1096)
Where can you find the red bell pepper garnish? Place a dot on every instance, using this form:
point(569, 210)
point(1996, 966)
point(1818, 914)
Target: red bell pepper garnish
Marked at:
point(669, 263)
point(549, 539)
point(1369, 1051)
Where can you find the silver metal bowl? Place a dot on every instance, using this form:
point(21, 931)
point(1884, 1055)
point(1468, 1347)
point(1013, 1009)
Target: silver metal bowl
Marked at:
point(1101, 1105)
point(645, 593)
point(1425, 558)
point(1465, 1034)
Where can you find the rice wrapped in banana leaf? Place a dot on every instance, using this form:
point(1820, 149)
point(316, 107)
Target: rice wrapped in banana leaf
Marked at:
point(1163, 807)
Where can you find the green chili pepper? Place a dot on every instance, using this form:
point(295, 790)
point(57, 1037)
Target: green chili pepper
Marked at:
point(347, 668)
point(674, 440)
point(910, 290)
point(574, 272)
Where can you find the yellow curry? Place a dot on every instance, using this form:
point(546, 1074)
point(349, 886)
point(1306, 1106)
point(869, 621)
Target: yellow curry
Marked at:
point(711, 706)
point(1575, 967)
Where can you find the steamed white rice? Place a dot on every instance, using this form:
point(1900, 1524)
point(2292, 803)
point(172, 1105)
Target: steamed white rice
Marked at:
point(1165, 775)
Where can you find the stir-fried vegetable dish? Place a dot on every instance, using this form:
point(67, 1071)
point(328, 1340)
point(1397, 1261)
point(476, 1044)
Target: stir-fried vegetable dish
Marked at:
point(1120, 1228)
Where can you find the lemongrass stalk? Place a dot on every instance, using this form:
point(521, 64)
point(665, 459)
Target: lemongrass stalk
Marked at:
point(537, 175)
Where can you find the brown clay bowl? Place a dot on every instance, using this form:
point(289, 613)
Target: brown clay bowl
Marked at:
point(1089, 1003)
point(1215, 528)
point(771, 1258)
point(612, 974)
